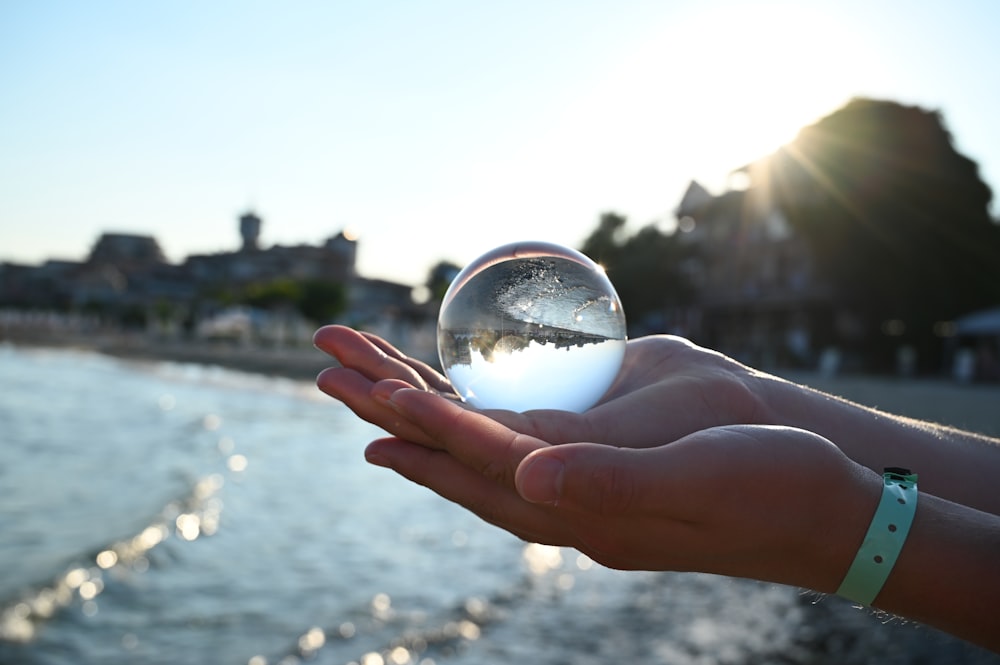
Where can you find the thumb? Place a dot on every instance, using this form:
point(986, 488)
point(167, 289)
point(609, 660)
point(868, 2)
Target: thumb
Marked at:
point(585, 476)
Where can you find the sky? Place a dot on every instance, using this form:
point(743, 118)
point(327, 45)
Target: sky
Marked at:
point(437, 130)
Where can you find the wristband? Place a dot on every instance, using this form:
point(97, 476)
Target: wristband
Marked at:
point(885, 538)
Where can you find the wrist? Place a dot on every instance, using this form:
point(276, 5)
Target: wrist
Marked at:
point(884, 539)
point(841, 525)
point(852, 427)
point(781, 402)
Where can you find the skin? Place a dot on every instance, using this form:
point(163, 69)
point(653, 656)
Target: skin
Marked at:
point(693, 461)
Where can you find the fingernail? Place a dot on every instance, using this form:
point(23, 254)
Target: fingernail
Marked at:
point(541, 480)
point(390, 400)
point(378, 460)
point(382, 393)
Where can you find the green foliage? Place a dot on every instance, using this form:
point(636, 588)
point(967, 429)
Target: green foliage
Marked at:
point(606, 243)
point(317, 300)
point(440, 277)
point(644, 267)
point(273, 294)
point(320, 301)
point(163, 310)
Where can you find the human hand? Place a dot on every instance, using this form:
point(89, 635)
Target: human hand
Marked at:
point(776, 504)
point(667, 388)
point(366, 359)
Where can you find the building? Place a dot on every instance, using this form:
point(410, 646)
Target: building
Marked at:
point(126, 250)
point(250, 231)
point(334, 260)
point(127, 277)
point(759, 299)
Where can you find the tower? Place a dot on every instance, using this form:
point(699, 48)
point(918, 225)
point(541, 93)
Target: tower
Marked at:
point(250, 230)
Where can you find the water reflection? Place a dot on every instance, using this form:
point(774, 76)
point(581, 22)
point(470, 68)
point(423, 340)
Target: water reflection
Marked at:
point(237, 463)
point(542, 558)
point(194, 516)
point(538, 376)
point(312, 641)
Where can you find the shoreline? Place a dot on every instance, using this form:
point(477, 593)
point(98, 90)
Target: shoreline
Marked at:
point(937, 399)
point(299, 363)
point(292, 362)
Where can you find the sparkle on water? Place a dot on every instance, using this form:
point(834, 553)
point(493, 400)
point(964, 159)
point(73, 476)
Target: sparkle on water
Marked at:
point(531, 325)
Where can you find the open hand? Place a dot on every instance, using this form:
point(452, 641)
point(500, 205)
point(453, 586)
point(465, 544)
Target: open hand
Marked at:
point(667, 388)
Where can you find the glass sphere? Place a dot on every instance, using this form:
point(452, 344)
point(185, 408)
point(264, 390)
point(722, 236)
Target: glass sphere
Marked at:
point(531, 325)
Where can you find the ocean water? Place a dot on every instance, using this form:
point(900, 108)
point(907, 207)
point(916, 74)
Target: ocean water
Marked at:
point(169, 513)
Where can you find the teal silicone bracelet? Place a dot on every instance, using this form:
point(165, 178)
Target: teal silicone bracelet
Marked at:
point(885, 538)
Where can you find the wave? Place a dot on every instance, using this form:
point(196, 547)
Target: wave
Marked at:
point(383, 634)
point(187, 518)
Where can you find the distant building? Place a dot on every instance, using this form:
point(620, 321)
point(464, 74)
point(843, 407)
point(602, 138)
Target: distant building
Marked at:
point(344, 250)
point(126, 250)
point(128, 273)
point(333, 261)
point(758, 297)
point(372, 299)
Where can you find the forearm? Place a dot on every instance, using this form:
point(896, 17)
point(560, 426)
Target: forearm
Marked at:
point(947, 574)
point(956, 465)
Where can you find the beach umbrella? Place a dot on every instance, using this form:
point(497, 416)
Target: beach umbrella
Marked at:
point(983, 322)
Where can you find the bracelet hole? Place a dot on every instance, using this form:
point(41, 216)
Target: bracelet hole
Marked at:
point(892, 528)
point(878, 558)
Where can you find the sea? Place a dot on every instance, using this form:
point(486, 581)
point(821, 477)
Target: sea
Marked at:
point(157, 512)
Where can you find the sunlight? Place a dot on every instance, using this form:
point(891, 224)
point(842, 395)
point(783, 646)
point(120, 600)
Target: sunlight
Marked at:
point(704, 96)
point(542, 558)
point(756, 74)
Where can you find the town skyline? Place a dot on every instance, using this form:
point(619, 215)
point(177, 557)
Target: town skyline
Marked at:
point(242, 241)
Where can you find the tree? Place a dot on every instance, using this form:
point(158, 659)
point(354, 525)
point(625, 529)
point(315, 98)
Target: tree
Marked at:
point(273, 294)
point(605, 244)
point(644, 268)
point(320, 300)
point(440, 277)
point(898, 221)
point(317, 300)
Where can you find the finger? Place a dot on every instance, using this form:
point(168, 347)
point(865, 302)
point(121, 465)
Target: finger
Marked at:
point(472, 438)
point(356, 392)
point(357, 351)
point(443, 474)
point(431, 376)
point(551, 426)
point(607, 481)
point(684, 480)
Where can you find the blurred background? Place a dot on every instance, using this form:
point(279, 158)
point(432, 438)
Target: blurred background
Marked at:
point(807, 187)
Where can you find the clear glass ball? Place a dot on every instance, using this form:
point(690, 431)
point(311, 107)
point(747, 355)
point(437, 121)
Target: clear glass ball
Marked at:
point(531, 325)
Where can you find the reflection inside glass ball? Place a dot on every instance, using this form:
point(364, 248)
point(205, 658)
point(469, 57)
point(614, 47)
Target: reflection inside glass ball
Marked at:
point(531, 325)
